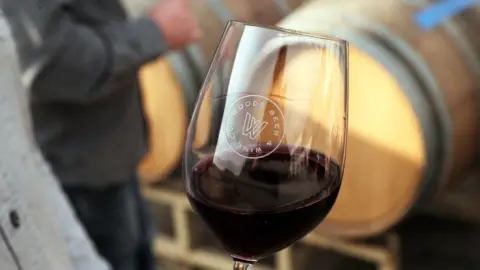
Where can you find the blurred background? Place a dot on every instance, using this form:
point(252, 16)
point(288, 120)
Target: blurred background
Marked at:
point(410, 197)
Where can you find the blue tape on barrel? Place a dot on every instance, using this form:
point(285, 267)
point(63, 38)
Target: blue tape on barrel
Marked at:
point(440, 12)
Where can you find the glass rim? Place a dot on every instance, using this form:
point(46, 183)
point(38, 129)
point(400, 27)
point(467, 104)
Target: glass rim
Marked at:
point(289, 31)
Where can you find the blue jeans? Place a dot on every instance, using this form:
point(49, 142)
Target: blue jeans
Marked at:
point(118, 221)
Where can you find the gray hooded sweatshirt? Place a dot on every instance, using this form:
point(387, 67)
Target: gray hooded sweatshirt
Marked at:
point(82, 57)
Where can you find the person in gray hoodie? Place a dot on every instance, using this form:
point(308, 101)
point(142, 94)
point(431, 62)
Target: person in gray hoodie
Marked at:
point(38, 228)
point(82, 57)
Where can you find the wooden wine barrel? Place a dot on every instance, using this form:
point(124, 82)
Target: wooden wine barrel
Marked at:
point(170, 85)
point(414, 106)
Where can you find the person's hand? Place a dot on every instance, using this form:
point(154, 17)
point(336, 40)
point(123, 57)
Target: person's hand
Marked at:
point(177, 22)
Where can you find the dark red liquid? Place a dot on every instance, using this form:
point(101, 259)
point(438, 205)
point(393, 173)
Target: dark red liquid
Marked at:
point(257, 207)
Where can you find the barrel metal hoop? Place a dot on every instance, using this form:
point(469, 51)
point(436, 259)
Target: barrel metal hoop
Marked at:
point(433, 142)
point(434, 94)
point(283, 6)
point(418, 99)
point(195, 51)
point(200, 64)
point(220, 9)
point(183, 74)
point(419, 104)
point(193, 59)
point(470, 55)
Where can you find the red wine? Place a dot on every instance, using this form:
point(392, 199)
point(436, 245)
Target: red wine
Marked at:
point(257, 207)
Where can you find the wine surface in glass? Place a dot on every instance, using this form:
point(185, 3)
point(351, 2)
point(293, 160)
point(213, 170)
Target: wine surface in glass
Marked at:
point(269, 202)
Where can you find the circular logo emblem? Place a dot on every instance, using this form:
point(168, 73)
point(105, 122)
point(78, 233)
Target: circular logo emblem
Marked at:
point(254, 126)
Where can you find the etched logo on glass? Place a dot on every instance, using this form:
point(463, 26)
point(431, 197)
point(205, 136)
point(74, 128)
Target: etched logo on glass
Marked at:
point(252, 127)
point(253, 121)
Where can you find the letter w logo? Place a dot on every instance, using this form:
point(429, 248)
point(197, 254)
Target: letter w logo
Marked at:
point(252, 127)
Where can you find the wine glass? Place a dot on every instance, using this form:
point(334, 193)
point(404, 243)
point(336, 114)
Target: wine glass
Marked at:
point(265, 148)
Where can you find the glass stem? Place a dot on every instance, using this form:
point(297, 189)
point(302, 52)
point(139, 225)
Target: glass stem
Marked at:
point(241, 265)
